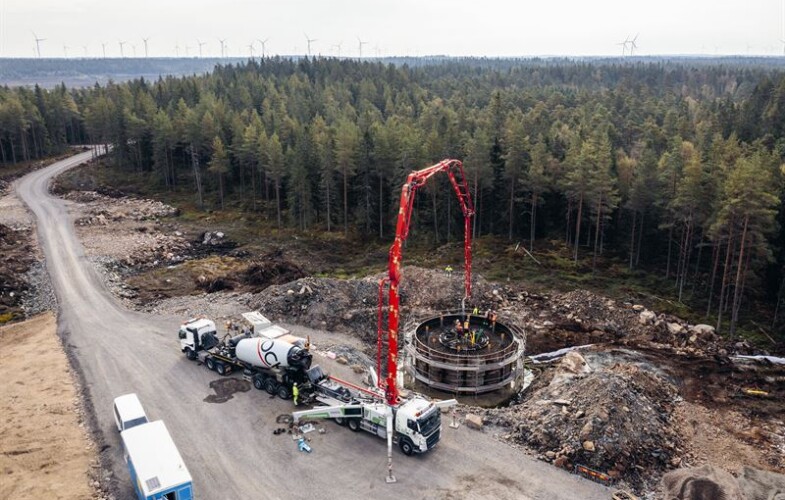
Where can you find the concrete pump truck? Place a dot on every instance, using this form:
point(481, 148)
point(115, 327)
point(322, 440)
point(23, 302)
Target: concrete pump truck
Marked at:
point(413, 423)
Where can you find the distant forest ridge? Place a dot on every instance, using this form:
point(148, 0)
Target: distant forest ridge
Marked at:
point(673, 168)
point(85, 72)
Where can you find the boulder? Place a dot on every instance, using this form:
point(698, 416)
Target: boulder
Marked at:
point(675, 328)
point(586, 431)
point(474, 421)
point(702, 329)
point(646, 317)
point(588, 445)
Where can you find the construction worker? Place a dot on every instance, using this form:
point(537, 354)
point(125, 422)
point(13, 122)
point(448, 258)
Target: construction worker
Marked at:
point(295, 393)
point(448, 269)
point(458, 327)
point(476, 311)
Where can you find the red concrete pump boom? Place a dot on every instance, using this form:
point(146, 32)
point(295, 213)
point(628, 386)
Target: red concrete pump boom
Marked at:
point(414, 181)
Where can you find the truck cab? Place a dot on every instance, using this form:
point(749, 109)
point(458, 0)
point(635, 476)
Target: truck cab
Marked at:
point(197, 335)
point(417, 426)
point(128, 412)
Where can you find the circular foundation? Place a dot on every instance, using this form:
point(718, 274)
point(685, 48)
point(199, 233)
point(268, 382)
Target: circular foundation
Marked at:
point(465, 354)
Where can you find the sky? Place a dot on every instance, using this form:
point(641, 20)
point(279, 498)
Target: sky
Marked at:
point(495, 28)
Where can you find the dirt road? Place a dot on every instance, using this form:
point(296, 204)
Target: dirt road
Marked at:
point(230, 447)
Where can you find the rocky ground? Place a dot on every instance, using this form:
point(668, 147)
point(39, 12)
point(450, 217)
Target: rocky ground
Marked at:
point(651, 394)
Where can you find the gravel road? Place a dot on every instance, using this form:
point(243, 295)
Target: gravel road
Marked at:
point(229, 447)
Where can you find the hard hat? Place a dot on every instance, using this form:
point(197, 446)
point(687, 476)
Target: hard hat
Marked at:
point(295, 384)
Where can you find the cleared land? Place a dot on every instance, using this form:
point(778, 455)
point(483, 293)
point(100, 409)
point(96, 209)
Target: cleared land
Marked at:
point(45, 452)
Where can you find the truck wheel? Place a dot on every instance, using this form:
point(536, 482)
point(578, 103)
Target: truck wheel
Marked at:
point(258, 382)
point(406, 446)
point(271, 386)
point(283, 392)
point(210, 362)
point(340, 420)
point(353, 424)
point(190, 354)
point(220, 368)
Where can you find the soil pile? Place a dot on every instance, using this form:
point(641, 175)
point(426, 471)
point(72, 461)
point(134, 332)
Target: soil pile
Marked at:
point(18, 256)
point(352, 305)
point(607, 414)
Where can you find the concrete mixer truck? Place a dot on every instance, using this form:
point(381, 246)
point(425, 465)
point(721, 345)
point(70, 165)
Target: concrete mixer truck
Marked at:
point(272, 364)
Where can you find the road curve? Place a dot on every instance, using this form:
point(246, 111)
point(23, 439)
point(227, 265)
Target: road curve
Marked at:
point(230, 448)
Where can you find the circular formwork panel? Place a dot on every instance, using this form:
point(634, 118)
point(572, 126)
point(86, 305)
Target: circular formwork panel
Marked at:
point(465, 354)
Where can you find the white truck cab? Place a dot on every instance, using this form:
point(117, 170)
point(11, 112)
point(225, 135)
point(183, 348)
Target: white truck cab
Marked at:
point(128, 412)
point(196, 335)
point(417, 424)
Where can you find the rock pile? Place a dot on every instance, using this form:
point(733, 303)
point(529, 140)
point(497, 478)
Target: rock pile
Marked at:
point(613, 417)
point(102, 209)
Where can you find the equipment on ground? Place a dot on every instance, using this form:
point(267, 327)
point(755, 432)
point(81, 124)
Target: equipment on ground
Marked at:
point(156, 467)
point(416, 422)
point(413, 423)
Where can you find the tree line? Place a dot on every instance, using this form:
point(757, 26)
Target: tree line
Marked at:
point(675, 167)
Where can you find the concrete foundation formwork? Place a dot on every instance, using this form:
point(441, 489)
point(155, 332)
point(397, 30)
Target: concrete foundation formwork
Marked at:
point(464, 353)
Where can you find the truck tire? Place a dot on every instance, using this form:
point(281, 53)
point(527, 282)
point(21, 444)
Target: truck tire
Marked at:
point(190, 354)
point(271, 386)
point(407, 448)
point(258, 382)
point(220, 368)
point(284, 392)
point(340, 421)
point(210, 363)
point(353, 424)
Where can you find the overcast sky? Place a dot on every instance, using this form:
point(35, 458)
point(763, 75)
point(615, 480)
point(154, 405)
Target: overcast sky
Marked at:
point(400, 27)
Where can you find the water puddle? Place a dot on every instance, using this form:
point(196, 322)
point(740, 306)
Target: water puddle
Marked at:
point(225, 388)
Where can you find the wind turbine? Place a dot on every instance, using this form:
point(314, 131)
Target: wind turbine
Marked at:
point(633, 45)
point(38, 44)
point(310, 40)
point(187, 50)
point(177, 50)
point(250, 49)
point(222, 41)
point(360, 44)
point(624, 46)
point(133, 48)
point(200, 43)
point(121, 48)
point(103, 46)
point(85, 50)
point(338, 46)
point(263, 42)
point(65, 51)
point(145, 46)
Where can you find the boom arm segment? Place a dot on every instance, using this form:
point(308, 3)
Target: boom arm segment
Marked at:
point(414, 181)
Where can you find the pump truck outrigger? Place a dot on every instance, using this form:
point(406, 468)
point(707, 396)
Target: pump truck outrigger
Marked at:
point(414, 423)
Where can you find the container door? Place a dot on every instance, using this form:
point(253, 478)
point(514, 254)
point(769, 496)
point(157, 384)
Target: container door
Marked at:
point(184, 493)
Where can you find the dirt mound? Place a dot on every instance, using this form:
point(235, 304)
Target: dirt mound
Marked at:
point(582, 317)
point(270, 269)
point(352, 305)
point(18, 256)
point(612, 416)
point(700, 483)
